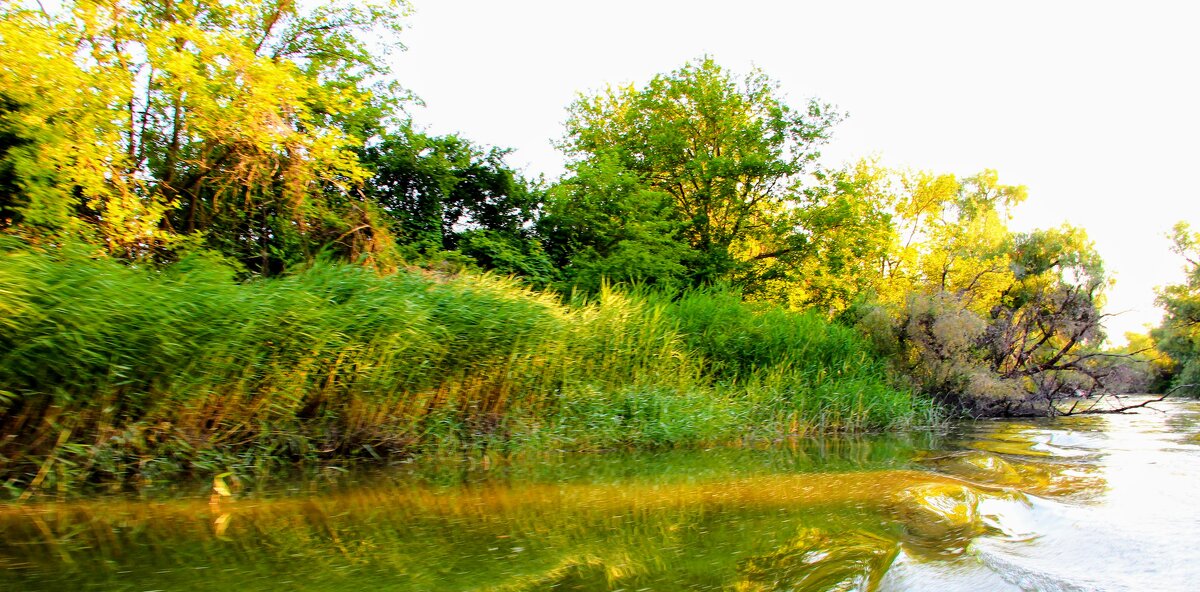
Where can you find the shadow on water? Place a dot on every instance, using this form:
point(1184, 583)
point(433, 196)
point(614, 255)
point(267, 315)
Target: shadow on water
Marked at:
point(965, 510)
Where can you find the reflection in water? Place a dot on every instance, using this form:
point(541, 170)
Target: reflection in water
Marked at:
point(818, 560)
point(1067, 505)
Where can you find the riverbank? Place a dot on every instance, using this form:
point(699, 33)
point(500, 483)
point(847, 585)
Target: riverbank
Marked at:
point(1002, 506)
point(113, 372)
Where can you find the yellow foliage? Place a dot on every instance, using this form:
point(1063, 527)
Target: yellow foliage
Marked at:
point(129, 108)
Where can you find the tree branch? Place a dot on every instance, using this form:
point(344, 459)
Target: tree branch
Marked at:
point(1093, 411)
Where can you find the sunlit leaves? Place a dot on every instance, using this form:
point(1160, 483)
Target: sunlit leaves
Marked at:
point(68, 127)
point(727, 150)
point(1179, 334)
point(982, 316)
point(149, 118)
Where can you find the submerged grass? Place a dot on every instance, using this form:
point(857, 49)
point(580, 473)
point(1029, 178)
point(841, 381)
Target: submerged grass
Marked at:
point(112, 372)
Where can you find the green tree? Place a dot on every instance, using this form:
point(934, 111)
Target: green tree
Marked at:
point(435, 188)
point(847, 230)
point(728, 151)
point(446, 194)
point(602, 224)
point(1046, 331)
point(1179, 334)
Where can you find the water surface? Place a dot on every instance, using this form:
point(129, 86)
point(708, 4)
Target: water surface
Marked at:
point(1083, 503)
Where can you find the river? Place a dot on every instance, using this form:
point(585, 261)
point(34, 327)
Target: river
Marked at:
point(1099, 502)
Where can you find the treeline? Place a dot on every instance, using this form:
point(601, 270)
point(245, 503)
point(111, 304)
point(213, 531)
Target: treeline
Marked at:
point(165, 135)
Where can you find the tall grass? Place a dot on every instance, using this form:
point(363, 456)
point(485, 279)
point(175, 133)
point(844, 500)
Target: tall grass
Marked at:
point(113, 371)
point(796, 369)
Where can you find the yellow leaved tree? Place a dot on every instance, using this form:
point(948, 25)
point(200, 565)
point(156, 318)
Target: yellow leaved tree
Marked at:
point(137, 121)
point(992, 320)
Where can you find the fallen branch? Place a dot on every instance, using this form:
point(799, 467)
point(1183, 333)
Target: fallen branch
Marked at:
point(1093, 411)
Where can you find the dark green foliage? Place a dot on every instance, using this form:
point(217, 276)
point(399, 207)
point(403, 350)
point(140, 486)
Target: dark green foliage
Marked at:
point(12, 198)
point(509, 254)
point(602, 225)
point(444, 193)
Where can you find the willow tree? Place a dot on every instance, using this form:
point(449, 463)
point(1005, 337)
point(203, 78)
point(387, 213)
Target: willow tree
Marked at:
point(728, 151)
point(995, 321)
point(139, 120)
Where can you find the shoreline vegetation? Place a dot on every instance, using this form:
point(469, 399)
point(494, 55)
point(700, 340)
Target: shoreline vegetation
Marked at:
point(115, 372)
point(225, 245)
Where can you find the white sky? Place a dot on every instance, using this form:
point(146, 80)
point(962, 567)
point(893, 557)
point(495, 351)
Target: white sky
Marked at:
point(1094, 106)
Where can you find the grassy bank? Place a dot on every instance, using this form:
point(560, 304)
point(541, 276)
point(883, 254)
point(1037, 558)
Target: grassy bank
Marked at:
point(112, 372)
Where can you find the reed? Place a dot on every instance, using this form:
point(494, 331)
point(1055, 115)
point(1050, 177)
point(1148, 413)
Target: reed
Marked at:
point(110, 371)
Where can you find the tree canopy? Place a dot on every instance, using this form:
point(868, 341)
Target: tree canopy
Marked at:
point(985, 318)
point(141, 120)
point(445, 194)
point(1179, 334)
point(726, 152)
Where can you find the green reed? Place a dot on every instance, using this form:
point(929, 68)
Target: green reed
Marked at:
point(110, 371)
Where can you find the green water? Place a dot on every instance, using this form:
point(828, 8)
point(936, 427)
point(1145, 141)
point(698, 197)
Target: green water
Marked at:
point(1087, 503)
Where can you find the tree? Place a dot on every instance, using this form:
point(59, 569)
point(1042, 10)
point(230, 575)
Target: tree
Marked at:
point(1179, 334)
point(64, 157)
point(1136, 367)
point(867, 232)
point(602, 224)
point(232, 120)
point(435, 188)
point(1046, 331)
point(847, 230)
point(728, 152)
point(446, 194)
point(13, 200)
point(985, 319)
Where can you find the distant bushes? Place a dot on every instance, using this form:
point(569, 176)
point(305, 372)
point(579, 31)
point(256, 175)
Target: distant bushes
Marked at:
point(115, 371)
